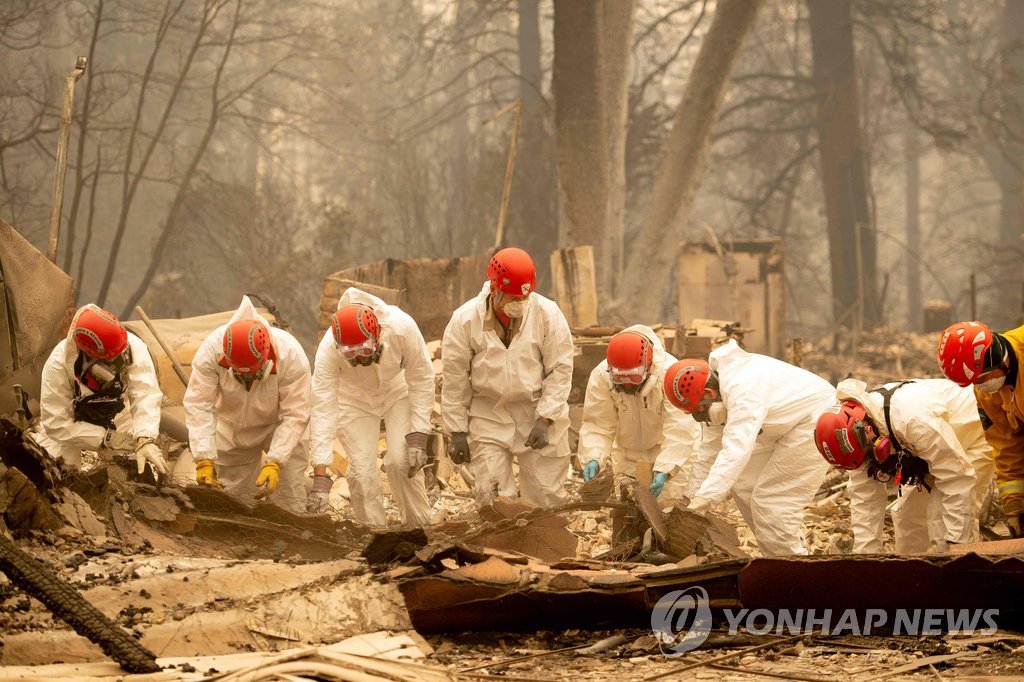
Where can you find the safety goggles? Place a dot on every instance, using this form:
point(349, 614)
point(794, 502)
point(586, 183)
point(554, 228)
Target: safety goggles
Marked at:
point(628, 377)
point(362, 350)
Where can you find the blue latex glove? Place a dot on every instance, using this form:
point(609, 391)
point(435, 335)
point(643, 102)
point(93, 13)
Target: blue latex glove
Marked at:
point(590, 470)
point(658, 484)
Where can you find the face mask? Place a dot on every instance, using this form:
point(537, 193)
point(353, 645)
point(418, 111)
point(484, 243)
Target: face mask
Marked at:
point(103, 372)
point(248, 380)
point(714, 414)
point(992, 385)
point(367, 360)
point(515, 308)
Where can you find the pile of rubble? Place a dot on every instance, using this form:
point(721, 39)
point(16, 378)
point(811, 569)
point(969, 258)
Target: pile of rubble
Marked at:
point(876, 357)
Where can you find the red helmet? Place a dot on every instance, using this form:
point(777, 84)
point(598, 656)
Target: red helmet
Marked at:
point(356, 330)
point(99, 334)
point(844, 436)
point(630, 356)
point(246, 346)
point(685, 382)
point(963, 348)
point(511, 272)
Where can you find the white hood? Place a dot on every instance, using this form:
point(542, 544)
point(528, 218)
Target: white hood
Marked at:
point(379, 307)
point(856, 390)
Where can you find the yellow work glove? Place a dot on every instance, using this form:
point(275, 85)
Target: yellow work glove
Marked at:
point(206, 473)
point(267, 482)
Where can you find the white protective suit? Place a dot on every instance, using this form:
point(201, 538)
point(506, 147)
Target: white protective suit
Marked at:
point(234, 427)
point(495, 394)
point(765, 453)
point(63, 437)
point(938, 421)
point(626, 428)
point(349, 401)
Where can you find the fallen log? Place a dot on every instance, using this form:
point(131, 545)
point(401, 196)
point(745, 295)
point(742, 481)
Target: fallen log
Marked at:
point(71, 607)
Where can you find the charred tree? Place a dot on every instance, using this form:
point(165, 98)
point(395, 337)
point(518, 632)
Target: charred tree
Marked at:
point(651, 258)
point(914, 303)
point(843, 169)
point(590, 83)
point(533, 221)
point(1007, 163)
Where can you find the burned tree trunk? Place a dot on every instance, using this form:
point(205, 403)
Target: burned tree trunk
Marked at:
point(652, 256)
point(533, 217)
point(1006, 166)
point(843, 171)
point(592, 40)
point(914, 303)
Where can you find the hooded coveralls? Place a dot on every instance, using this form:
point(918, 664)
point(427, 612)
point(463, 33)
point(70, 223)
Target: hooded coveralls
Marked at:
point(765, 453)
point(349, 401)
point(495, 394)
point(937, 421)
point(234, 427)
point(627, 428)
point(63, 429)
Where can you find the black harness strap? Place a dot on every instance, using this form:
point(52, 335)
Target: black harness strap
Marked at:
point(905, 468)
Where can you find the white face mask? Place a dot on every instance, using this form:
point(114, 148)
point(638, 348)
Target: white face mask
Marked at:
point(515, 308)
point(717, 414)
point(992, 385)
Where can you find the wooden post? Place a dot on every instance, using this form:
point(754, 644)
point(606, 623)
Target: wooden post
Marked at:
point(973, 285)
point(796, 351)
point(510, 165)
point(574, 276)
point(57, 204)
point(167, 351)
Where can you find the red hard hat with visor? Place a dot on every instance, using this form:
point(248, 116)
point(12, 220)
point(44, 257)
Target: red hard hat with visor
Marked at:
point(630, 356)
point(356, 331)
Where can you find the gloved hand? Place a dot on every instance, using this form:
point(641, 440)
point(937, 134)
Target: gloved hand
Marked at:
point(538, 437)
point(1013, 523)
point(150, 452)
point(206, 473)
point(699, 505)
point(458, 448)
point(416, 451)
point(119, 440)
point(658, 484)
point(590, 470)
point(316, 502)
point(269, 476)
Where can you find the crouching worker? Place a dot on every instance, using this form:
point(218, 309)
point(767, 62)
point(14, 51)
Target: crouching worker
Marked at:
point(758, 417)
point(626, 416)
point(99, 390)
point(371, 365)
point(971, 354)
point(249, 395)
point(925, 438)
